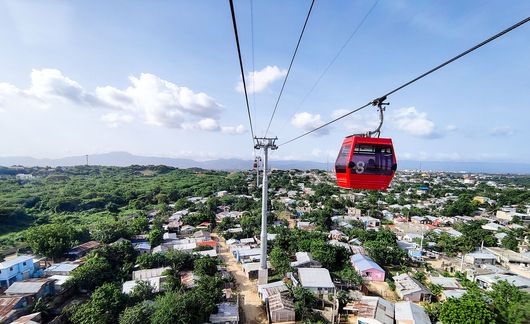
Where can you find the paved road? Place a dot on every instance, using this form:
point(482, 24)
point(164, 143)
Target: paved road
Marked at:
point(250, 301)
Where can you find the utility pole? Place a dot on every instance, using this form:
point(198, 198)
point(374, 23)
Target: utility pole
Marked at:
point(258, 160)
point(86, 159)
point(264, 143)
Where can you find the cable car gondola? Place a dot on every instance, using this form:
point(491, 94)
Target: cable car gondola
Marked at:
point(366, 162)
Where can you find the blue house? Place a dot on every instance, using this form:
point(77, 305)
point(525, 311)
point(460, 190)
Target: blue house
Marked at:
point(16, 269)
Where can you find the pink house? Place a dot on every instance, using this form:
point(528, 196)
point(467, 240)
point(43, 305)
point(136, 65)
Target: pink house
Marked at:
point(367, 268)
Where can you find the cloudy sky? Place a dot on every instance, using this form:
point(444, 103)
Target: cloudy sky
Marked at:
point(162, 77)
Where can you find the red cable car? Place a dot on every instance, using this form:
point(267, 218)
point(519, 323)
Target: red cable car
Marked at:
point(366, 162)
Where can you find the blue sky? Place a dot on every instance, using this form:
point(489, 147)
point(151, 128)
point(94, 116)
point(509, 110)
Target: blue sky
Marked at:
point(161, 77)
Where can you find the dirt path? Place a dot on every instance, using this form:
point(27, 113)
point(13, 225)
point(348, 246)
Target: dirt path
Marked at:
point(250, 301)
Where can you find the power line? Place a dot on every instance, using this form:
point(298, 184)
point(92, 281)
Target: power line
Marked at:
point(359, 25)
point(492, 38)
point(290, 65)
point(253, 66)
point(241, 66)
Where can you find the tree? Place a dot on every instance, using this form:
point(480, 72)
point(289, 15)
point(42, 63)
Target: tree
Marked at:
point(93, 273)
point(104, 306)
point(180, 308)
point(142, 291)
point(512, 305)
point(510, 242)
point(109, 231)
point(156, 236)
point(138, 314)
point(172, 281)
point(51, 240)
point(470, 308)
point(280, 260)
point(304, 302)
point(350, 276)
point(205, 266)
point(149, 261)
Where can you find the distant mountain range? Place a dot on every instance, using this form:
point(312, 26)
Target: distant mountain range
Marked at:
point(126, 159)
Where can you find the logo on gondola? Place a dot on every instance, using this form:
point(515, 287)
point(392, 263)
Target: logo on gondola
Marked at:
point(359, 167)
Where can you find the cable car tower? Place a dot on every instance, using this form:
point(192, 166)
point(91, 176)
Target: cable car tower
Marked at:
point(265, 143)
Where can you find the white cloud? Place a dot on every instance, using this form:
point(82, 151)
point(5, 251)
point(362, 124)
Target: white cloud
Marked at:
point(258, 81)
point(414, 123)
point(501, 131)
point(308, 121)
point(51, 83)
point(156, 101)
point(234, 130)
point(116, 119)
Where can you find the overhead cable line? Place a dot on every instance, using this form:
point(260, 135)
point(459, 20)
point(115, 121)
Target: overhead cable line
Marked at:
point(354, 32)
point(253, 65)
point(382, 98)
point(359, 25)
point(290, 65)
point(241, 67)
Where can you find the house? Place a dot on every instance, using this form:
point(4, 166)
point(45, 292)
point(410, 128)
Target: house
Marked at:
point(506, 256)
point(63, 268)
point(281, 308)
point(59, 282)
point(211, 253)
point(419, 220)
point(33, 318)
point(248, 255)
point(39, 288)
point(269, 289)
point(247, 241)
point(148, 273)
point(222, 193)
point(492, 227)
point(174, 226)
point(306, 226)
point(81, 250)
point(447, 283)
point(367, 268)
point(202, 235)
point(142, 247)
point(452, 293)
point(187, 229)
point(305, 260)
point(412, 237)
point(478, 258)
point(227, 313)
point(16, 269)
point(409, 313)
point(156, 282)
point(336, 243)
point(337, 235)
point(317, 280)
point(251, 269)
point(370, 222)
point(487, 281)
point(410, 289)
point(11, 307)
point(371, 310)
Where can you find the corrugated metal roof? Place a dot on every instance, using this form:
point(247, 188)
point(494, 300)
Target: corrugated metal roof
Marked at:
point(364, 263)
point(315, 278)
point(19, 259)
point(31, 286)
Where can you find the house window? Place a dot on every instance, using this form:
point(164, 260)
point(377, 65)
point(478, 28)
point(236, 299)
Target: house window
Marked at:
point(11, 269)
point(23, 263)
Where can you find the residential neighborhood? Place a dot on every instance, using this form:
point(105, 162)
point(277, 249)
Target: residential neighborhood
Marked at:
point(333, 255)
